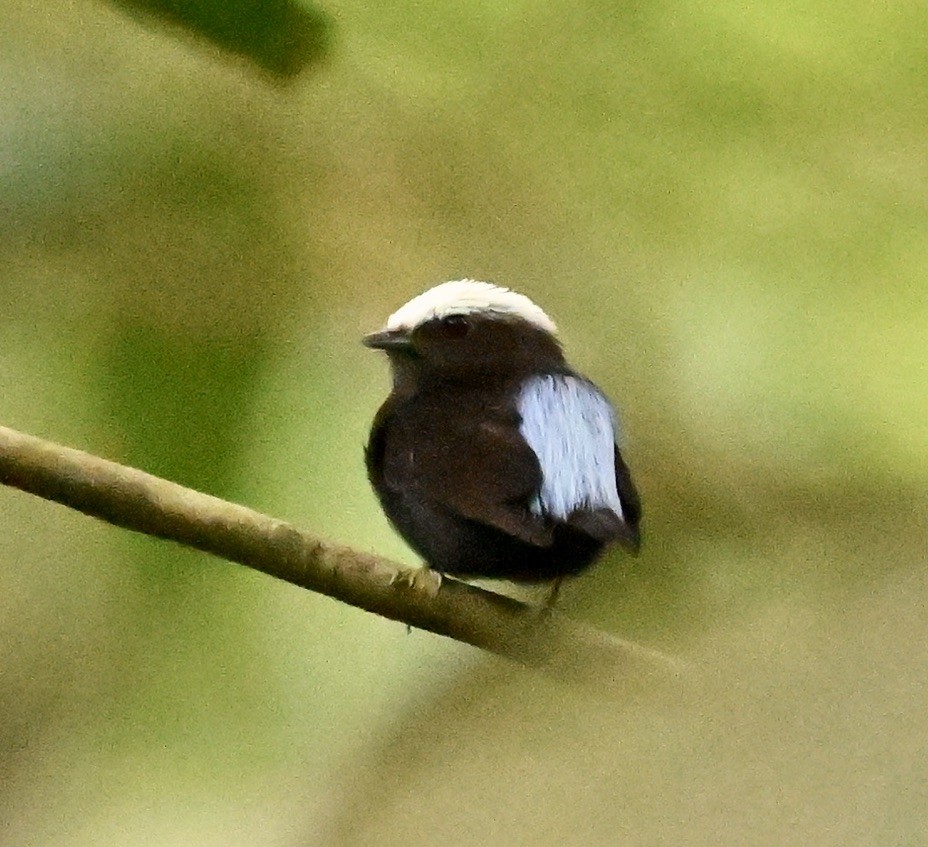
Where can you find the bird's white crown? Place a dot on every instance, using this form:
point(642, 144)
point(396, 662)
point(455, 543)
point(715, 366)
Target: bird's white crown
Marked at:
point(468, 297)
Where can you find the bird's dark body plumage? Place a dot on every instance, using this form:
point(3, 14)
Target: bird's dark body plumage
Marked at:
point(455, 474)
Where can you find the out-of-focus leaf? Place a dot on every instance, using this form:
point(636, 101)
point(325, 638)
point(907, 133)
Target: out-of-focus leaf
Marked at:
point(280, 36)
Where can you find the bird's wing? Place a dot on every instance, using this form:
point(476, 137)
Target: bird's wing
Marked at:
point(473, 463)
point(631, 504)
point(570, 426)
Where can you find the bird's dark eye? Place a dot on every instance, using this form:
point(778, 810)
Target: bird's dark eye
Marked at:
point(454, 326)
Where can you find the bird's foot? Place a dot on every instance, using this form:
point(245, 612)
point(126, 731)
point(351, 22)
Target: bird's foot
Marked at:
point(553, 593)
point(422, 579)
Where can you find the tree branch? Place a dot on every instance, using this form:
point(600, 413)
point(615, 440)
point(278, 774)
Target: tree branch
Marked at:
point(144, 503)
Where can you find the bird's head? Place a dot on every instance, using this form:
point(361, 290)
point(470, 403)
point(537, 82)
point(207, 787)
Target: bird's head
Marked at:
point(467, 330)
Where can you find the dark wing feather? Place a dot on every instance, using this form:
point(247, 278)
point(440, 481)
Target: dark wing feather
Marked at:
point(474, 463)
point(495, 480)
point(631, 504)
point(604, 524)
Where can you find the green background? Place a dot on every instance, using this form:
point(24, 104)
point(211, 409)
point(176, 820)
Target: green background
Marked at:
point(723, 205)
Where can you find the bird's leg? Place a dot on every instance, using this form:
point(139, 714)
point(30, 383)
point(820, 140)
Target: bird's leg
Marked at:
point(422, 579)
point(553, 594)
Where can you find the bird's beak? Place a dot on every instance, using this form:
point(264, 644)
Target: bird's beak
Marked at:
point(388, 339)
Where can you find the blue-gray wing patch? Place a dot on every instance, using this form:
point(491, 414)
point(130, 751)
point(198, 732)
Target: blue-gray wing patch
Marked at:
point(571, 428)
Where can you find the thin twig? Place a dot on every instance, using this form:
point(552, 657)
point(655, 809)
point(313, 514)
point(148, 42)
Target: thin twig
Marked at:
point(144, 503)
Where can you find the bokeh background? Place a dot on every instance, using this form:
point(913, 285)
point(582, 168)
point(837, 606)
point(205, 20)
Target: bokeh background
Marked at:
point(203, 206)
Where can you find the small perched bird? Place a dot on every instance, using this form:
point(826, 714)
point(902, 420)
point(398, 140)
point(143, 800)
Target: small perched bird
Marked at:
point(491, 456)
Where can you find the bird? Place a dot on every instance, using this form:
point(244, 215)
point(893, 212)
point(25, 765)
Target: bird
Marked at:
point(491, 456)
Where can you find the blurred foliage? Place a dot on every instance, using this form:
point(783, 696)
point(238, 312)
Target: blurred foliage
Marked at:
point(281, 36)
point(723, 207)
